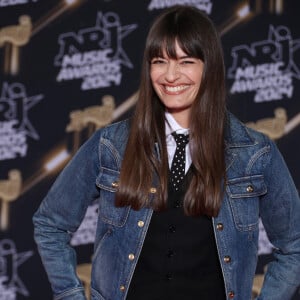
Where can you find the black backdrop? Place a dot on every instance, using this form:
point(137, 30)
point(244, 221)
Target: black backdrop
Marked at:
point(69, 67)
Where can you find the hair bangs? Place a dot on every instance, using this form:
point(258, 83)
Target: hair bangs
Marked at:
point(161, 46)
point(165, 45)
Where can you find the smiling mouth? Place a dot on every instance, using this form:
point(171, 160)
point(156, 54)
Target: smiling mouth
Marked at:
point(176, 89)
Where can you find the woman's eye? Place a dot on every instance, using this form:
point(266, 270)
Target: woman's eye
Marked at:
point(157, 61)
point(186, 62)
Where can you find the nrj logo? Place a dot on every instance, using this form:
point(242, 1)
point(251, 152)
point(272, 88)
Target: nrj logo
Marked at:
point(10, 261)
point(266, 67)
point(94, 54)
point(14, 123)
point(205, 5)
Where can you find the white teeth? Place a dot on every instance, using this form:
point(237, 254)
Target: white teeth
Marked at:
point(175, 89)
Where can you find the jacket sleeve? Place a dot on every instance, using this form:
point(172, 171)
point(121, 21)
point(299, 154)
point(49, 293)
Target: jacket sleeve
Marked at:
point(60, 214)
point(280, 214)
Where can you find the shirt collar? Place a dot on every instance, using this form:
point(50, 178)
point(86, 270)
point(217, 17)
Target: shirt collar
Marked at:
point(172, 125)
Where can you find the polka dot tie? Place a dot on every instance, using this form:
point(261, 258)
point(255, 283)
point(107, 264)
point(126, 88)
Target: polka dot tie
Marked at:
point(178, 163)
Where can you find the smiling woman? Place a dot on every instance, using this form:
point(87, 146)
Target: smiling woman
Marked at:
point(182, 66)
point(181, 187)
point(177, 81)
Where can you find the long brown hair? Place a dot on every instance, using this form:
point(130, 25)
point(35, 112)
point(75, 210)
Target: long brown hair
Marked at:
point(142, 164)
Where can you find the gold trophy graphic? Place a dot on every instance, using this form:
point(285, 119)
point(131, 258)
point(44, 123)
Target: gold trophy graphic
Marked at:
point(92, 117)
point(272, 127)
point(12, 38)
point(10, 189)
point(84, 274)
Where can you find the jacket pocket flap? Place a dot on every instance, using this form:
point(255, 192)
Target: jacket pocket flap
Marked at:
point(249, 186)
point(108, 179)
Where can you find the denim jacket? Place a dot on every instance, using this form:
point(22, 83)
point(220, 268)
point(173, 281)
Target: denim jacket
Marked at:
point(258, 185)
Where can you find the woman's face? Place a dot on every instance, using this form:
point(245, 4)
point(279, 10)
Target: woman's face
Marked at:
point(177, 82)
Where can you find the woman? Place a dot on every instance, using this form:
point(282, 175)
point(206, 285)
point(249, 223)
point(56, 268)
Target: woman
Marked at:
point(159, 240)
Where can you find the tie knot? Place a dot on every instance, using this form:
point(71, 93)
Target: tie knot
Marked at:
point(181, 139)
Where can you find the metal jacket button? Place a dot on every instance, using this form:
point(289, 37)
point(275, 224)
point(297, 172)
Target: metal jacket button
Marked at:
point(153, 190)
point(227, 259)
point(141, 223)
point(220, 226)
point(115, 184)
point(250, 189)
point(122, 288)
point(231, 294)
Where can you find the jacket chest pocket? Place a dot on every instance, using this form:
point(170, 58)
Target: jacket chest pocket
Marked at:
point(107, 181)
point(244, 194)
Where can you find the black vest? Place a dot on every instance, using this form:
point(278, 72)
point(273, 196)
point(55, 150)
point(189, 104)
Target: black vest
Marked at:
point(179, 259)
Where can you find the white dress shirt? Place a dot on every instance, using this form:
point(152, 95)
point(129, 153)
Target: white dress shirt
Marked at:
point(171, 126)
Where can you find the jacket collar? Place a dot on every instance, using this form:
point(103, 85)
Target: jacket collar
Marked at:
point(237, 134)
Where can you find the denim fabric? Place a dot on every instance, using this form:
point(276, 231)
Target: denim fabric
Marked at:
point(258, 185)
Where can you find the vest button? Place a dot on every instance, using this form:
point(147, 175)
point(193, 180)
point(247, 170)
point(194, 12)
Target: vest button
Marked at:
point(141, 223)
point(177, 204)
point(170, 253)
point(227, 259)
point(131, 256)
point(169, 276)
point(172, 228)
point(220, 226)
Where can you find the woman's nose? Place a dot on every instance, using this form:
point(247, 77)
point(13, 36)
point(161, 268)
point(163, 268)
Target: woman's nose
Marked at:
point(172, 71)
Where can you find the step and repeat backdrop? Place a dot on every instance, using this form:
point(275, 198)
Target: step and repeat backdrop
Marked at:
point(68, 68)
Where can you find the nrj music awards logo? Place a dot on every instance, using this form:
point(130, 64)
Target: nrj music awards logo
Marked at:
point(266, 68)
point(10, 261)
point(95, 54)
point(15, 126)
point(205, 5)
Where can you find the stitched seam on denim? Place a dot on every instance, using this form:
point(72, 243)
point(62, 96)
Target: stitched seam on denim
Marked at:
point(107, 233)
point(219, 250)
point(68, 292)
point(139, 246)
point(255, 157)
point(113, 151)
